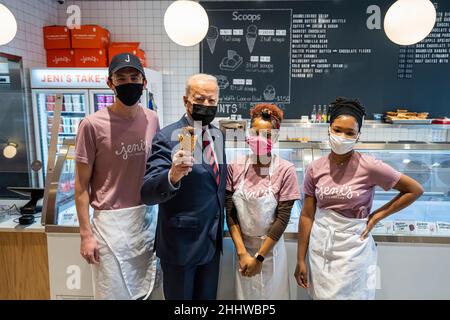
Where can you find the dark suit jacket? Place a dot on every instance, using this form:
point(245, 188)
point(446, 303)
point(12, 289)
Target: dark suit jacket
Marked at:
point(190, 218)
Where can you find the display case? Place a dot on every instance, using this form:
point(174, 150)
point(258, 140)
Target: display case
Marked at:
point(410, 243)
point(74, 109)
point(426, 220)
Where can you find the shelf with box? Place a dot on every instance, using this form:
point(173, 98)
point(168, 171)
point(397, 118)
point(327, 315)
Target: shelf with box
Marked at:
point(86, 47)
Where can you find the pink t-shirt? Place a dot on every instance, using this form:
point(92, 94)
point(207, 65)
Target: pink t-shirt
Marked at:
point(284, 180)
point(349, 188)
point(117, 148)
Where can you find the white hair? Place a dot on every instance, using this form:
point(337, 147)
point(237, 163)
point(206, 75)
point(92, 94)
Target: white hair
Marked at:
point(200, 77)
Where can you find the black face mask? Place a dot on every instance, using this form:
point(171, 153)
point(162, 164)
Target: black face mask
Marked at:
point(129, 93)
point(203, 113)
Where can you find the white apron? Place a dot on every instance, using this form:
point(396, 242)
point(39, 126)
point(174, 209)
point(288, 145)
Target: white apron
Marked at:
point(341, 265)
point(256, 216)
point(127, 268)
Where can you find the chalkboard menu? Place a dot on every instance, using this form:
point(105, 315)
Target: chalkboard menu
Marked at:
point(301, 54)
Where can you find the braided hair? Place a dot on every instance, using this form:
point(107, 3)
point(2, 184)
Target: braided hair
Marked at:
point(348, 107)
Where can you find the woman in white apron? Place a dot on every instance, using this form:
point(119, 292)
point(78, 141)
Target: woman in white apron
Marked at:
point(261, 190)
point(335, 221)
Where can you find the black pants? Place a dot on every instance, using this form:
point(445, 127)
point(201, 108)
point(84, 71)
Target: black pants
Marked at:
point(191, 282)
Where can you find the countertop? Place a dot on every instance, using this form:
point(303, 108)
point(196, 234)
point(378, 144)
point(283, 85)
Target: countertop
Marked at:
point(12, 224)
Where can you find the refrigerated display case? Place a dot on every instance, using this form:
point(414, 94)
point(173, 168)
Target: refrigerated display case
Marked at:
point(84, 92)
point(74, 109)
point(427, 219)
point(412, 244)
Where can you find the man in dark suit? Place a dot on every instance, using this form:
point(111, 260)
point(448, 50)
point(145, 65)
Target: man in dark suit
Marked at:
point(190, 191)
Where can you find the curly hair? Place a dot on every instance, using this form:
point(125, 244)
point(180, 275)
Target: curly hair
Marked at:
point(268, 112)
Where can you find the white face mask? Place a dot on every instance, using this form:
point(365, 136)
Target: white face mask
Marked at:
point(341, 145)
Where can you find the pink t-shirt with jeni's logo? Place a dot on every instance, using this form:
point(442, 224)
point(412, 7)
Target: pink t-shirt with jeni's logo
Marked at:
point(284, 180)
point(348, 188)
point(117, 149)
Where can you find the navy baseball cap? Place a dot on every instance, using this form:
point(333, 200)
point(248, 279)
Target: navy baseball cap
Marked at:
point(124, 60)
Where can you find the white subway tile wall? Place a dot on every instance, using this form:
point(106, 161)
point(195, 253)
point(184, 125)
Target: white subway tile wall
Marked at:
point(142, 21)
point(31, 16)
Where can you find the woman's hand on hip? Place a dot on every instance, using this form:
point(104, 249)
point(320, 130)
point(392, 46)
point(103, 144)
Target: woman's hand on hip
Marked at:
point(371, 222)
point(301, 274)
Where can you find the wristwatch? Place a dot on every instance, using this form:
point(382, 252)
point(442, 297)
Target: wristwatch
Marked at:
point(259, 257)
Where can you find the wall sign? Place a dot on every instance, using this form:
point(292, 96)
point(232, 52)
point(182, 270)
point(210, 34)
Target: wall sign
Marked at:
point(300, 54)
point(69, 78)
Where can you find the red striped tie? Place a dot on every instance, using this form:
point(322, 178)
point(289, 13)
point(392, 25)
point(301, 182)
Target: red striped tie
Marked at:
point(209, 157)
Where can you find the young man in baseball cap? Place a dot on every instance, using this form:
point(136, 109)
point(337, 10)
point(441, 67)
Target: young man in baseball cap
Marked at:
point(111, 151)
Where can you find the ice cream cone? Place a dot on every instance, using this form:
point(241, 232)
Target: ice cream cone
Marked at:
point(187, 139)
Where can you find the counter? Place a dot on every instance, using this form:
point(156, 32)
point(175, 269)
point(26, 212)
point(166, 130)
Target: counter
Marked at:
point(371, 131)
point(404, 255)
point(12, 225)
point(24, 259)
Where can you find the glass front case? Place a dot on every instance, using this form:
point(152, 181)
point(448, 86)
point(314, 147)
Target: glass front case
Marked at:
point(426, 220)
point(74, 109)
point(429, 164)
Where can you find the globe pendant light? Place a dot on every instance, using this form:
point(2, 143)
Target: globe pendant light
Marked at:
point(409, 21)
point(8, 25)
point(186, 22)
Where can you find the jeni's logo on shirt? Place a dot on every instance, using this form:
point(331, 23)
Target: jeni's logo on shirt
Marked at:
point(134, 149)
point(258, 193)
point(340, 192)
